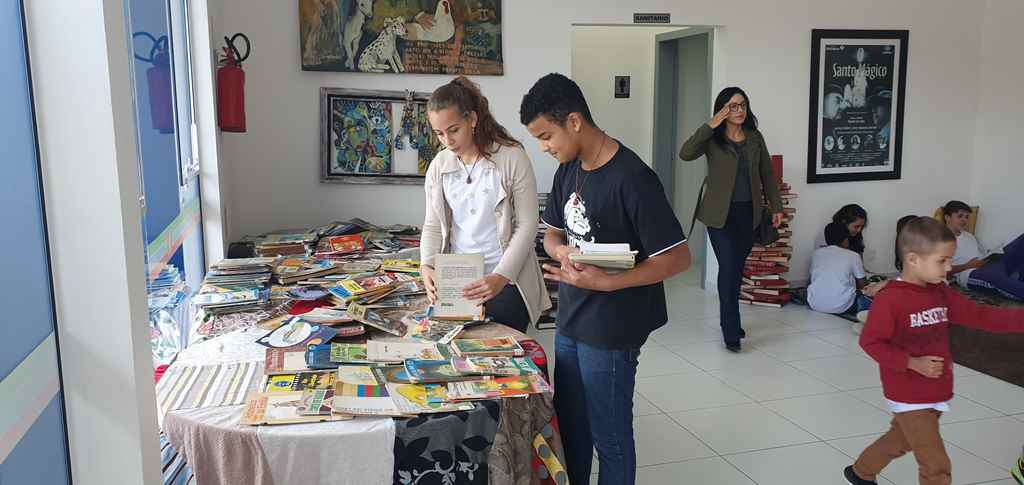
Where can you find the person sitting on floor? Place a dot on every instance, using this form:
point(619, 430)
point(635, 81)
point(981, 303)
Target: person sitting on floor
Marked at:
point(837, 274)
point(900, 224)
point(854, 218)
point(976, 267)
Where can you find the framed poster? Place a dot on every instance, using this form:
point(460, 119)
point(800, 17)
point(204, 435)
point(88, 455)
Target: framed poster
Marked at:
point(375, 137)
point(858, 87)
point(401, 36)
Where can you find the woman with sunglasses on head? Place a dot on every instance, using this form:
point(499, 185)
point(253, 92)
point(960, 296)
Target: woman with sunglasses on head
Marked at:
point(740, 180)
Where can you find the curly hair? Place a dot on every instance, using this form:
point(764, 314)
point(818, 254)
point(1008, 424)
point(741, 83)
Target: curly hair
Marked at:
point(554, 97)
point(465, 96)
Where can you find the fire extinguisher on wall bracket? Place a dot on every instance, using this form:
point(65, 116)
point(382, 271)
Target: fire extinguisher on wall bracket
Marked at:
point(158, 82)
point(231, 85)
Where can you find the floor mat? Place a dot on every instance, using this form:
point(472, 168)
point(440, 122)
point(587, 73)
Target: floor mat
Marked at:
point(997, 355)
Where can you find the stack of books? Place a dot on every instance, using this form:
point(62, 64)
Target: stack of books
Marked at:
point(236, 285)
point(608, 256)
point(286, 243)
point(764, 276)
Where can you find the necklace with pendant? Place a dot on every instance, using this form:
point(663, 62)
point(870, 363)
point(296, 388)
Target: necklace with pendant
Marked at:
point(579, 186)
point(469, 173)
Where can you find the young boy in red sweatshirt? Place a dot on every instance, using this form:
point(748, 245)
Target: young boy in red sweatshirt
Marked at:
point(907, 333)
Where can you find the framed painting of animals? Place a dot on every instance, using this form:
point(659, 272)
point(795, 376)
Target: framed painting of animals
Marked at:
point(402, 36)
point(373, 137)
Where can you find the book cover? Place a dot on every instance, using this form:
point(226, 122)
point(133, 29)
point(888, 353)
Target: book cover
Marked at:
point(359, 392)
point(495, 366)
point(393, 373)
point(453, 273)
point(284, 361)
point(377, 319)
point(346, 244)
point(500, 387)
point(424, 398)
point(286, 408)
point(300, 381)
point(400, 350)
point(436, 331)
point(488, 347)
point(433, 371)
point(348, 353)
point(400, 266)
point(227, 297)
point(296, 332)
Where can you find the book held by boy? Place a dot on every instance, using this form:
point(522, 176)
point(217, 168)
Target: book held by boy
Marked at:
point(608, 256)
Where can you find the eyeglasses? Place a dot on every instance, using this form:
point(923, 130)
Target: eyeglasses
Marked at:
point(734, 107)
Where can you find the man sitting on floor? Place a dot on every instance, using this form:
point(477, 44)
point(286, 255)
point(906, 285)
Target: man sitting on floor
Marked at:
point(976, 267)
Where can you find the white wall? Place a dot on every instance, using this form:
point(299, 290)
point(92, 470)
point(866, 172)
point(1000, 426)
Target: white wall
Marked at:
point(601, 52)
point(765, 49)
point(998, 162)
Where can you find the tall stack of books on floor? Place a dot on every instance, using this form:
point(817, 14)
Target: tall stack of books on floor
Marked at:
point(547, 319)
point(764, 276)
point(349, 331)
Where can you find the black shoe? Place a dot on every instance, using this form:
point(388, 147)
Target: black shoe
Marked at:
point(852, 477)
point(734, 347)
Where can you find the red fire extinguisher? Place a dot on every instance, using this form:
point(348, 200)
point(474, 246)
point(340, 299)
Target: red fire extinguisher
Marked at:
point(158, 82)
point(231, 86)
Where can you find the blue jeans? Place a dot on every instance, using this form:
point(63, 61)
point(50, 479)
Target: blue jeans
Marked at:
point(732, 244)
point(861, 303)
point(1005, 275)
point(594, 403)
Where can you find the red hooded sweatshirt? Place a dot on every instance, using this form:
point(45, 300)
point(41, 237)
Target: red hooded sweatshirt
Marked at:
point(907, 321)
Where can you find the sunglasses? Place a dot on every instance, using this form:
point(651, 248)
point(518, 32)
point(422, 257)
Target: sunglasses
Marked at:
point(734, 107)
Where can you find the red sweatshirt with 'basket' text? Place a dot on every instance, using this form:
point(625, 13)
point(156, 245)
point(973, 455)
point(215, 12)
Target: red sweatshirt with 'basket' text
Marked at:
point(907, 321)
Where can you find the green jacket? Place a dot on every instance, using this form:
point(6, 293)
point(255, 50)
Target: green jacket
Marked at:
point(723, 163)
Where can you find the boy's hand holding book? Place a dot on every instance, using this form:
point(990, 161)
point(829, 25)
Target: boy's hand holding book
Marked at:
point(579, 275)
point(927, 365)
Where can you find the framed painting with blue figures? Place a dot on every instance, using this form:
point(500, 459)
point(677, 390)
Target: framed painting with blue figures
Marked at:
point(401, 36)
point(375, 137)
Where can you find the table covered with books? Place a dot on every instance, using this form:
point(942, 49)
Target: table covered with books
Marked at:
point(346, 377)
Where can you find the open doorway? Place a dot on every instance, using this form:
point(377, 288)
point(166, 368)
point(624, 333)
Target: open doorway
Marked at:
point(650, 88)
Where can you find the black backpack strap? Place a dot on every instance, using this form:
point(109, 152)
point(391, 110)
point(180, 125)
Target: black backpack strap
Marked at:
point(696, 208)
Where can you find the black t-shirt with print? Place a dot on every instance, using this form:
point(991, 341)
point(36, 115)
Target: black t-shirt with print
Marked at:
point(620, 202)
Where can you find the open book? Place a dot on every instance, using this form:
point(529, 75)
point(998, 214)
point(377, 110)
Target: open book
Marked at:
point(453, 273)
point(609, 256)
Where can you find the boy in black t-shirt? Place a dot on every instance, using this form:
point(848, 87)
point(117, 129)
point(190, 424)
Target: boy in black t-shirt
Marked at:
point(602, 193)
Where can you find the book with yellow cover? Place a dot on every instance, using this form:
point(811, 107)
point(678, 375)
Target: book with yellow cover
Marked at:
point(290, 408)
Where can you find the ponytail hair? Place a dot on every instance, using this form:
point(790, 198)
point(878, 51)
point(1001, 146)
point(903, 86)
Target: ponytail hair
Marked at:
point(464, 96)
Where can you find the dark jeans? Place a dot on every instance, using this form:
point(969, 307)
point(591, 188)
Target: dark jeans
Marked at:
point(508, 308)
point(732, 244)
point(1005, 275)
point(594, 403)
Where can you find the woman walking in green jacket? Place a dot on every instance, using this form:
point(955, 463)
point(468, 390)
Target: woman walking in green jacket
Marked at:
point(739, 182)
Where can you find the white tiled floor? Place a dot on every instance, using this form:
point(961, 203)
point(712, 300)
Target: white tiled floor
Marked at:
point(795, 407)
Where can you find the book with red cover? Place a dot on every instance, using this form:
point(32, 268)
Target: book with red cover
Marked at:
point(774, 283)
point(346, 244)
point(777, 168)
point(758, 290)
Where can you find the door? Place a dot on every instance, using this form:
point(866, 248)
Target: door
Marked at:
point(33, 435)
point(682, 103)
